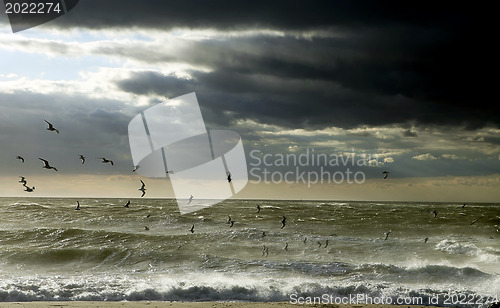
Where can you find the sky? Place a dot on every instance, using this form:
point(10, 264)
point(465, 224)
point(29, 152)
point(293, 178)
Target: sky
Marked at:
point(400, 87)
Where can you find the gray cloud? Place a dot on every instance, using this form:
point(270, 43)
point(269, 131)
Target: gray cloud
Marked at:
point(373, 64)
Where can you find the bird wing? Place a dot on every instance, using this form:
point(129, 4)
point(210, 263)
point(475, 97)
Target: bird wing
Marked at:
point(44, 161)
point(143, 185)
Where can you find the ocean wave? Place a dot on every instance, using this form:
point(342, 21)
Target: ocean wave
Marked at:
point(454, 247)
point(215, 288)
point(469, 249)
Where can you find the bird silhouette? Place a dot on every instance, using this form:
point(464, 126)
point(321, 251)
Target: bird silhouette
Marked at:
point(46, 164)
point(51, 127)
point(387, 235)
point(143, 188)
point(105, 161)
point(283, 222)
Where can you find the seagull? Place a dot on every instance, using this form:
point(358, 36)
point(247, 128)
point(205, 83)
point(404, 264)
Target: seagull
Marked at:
point(192, 229)
point(263, 234)
point(464, 205)
point(51, 127)
point(20, 158)
point(46, 164)
point(387, 234)
point(286, 247)
point(190, 199)
point(146, 228)
point(435, 213)
point(228, 177)
point(135, 168)
point(283, 222)
point(77, 206)
point(265, 250)
point(127, 204)
point(386, 174)
point(426, 239)
point(305, 240)
point(230, 221)
point(82, 158)
point(23, 180)
point(258, 208)
point(29, 189)
point(326, 244)
point(473, 222)
point(105, 161)
point(143, 188)
point(319, 243)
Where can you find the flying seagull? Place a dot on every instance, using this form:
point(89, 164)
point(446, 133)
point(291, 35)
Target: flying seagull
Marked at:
point(387, 235)
point(426, 239)
point(283, 222)
point(82, 158)
point(77, 206)
point(192, 229)
point(190, 199)
point(258, 208)
point(265, 250)
point(20, 158)
point(435, 213)
point(105, 161)
point(127, 204)
point(46, 164)
point(386, 174)
point(326, 244)
point(29, 189)
point(286, 247)
point(473, 222)
point(51, 127)
point(143, 188)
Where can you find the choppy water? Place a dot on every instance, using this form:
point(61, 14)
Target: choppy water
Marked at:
point(49, 251)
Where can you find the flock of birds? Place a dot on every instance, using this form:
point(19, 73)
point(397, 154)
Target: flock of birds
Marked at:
point(46, 165)
point(142, 189)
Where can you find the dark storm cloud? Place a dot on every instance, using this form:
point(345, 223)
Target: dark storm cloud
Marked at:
point(92, 127)
point(409, 133)
point(383, 63)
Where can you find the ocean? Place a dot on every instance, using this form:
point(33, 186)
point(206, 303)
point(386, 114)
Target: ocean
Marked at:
point(326, 252)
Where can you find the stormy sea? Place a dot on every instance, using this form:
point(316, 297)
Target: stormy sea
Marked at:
point(445, 254)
